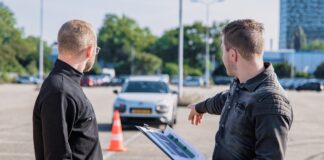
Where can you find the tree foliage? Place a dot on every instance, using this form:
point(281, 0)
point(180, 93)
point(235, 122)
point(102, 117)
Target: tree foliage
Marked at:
point(18, 53)
point(282, 69)
point(145, 63)
point(299, 38)
point(316, 45)
point(319, 72)
point(167, 46)
point(170, 69)
point(120, 38)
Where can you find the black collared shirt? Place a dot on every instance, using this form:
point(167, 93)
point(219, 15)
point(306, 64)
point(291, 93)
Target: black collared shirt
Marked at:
point(255, 119)
point(64, 123)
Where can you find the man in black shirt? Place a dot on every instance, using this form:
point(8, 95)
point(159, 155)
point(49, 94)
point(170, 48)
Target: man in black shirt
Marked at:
point(255, 112)
point(64, 123)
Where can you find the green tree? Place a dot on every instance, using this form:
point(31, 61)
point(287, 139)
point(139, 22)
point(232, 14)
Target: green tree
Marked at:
point(96, 69)
point(30, 57)
point(118, 38)
point(314, 45)
point(220, 70)
point(170, 69)
point(282, 69)
point(18, 53)
point(191, 71)
point(166, 47)
point(10, 40)
point(145, 63)
point(319, 72)
point(302, 75)
point(299, 38)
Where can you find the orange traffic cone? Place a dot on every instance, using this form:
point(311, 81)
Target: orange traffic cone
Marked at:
point(116, 139)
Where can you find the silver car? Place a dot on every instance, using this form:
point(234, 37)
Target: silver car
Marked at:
point(146, 100)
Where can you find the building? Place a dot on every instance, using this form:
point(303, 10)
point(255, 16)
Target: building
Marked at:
point(304, 61)
point(307, 14)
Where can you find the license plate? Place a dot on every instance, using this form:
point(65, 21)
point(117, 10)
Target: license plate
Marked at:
point(141, 111)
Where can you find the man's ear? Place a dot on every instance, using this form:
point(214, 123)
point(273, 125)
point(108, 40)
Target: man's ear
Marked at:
point(89, 51)
point(234, 54)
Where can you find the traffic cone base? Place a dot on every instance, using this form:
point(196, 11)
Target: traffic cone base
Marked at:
point(116, 139)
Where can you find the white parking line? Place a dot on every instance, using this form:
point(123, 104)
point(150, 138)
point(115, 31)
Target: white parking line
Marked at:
point(5, 133)
point(107, 155)
point(15, 142)
point(17, 154)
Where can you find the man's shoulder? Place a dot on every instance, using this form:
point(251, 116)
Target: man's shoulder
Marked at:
point(60, 82)
point(52, 84)
point(271, 99)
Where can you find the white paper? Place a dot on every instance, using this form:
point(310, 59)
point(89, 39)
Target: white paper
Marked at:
point(172, 144)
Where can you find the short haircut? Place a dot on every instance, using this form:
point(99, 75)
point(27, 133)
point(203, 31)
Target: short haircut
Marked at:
point(75, 35)
point(246, 36)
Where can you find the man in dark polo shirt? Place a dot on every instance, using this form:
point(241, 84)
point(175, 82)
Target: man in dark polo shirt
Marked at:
point(64, 123)
point(255, 112)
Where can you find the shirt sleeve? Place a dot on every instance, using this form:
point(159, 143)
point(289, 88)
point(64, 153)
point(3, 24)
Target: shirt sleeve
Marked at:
point(273, 119)
point(272, 137)
point(57, 117)
point(213, 105)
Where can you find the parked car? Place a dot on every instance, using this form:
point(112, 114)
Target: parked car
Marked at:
point(118, 81)
point(105, 80)
point(174, 80)
point(222, 80)
point(193, 81)
point(88, 81)
point(292, 83)
point(146, 100)
point(314, 86)
point(27, 80)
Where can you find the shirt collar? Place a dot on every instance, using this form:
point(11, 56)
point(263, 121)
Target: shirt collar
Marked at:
point(62, 67)
point(254, 82)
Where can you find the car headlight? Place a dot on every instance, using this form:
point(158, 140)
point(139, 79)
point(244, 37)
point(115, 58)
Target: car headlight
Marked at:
point(161, 108)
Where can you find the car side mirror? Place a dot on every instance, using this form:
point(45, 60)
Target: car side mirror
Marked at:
point(115, 91)
point(174, 92)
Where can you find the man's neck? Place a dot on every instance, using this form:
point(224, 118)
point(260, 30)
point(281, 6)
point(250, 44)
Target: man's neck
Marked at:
point(72, 63)
point(249, 70)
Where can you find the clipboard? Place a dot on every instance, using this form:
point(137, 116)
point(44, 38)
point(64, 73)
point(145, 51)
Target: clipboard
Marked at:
point(174, 146)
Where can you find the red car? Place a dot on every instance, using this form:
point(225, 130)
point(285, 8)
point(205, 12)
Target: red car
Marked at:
point(88, 81)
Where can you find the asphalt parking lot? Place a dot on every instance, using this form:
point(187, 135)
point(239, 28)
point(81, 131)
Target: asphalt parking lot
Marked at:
point(306, 139)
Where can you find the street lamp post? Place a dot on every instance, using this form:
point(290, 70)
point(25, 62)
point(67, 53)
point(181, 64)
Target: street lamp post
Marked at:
point(207, 55)
point(41, 47)
point(292, 67)
point(180, 65)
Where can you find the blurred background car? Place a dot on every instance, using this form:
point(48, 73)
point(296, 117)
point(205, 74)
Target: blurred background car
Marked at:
point(174, 80)
point(312, 86)
point(301, 84)
point(88, 81)
point(146, 99)
point(105, 79)
point(118, 81)
point(222, 80)
point(193, 81)
point(27, 80)
point(95, 80)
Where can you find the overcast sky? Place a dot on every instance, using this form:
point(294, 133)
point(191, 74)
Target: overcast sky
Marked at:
point(158, 15)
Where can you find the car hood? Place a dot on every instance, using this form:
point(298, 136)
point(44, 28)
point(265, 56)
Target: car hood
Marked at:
point(145, 97)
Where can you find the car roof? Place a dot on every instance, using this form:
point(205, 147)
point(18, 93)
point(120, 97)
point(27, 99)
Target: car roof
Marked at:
point(147, 78)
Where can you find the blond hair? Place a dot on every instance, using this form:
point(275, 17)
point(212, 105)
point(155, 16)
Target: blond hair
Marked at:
point(74, 36)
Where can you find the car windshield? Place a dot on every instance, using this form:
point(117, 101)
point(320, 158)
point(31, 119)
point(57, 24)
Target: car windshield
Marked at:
point(146, 86)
